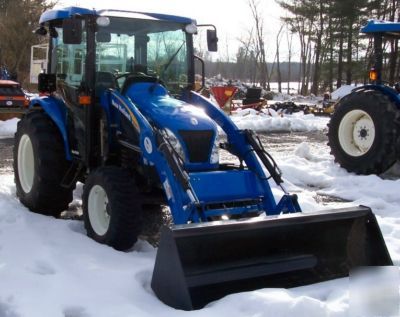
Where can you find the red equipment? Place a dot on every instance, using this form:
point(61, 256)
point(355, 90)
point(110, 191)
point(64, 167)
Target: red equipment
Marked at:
point(224, 95)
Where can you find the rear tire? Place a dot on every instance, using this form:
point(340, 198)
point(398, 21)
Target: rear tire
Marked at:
point(112, 208)
point(40, 164)
point(363, 132)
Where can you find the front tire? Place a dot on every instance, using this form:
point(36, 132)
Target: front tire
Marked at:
point(40, 165)
point(112, 208)
point(363, 132)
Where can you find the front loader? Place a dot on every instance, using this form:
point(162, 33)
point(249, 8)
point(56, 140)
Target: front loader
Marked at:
point(118, 113)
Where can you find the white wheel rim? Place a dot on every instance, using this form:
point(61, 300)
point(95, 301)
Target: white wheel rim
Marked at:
point(26, 163)
point(97, 208)
point(356, 133)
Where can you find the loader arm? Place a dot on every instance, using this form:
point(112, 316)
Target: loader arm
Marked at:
point(245, 147)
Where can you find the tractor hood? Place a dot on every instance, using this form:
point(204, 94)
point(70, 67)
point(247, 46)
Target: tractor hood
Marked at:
point(195, 131)
point(158, 107)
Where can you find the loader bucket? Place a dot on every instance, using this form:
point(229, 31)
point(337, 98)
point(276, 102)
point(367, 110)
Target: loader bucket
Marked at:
point(200, 263)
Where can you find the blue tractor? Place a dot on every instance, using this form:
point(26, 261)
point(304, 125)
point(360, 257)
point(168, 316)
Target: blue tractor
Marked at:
point(364, 132)
point(118, 113)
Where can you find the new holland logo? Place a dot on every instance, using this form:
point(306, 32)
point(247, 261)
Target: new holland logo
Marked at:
point(121, 109)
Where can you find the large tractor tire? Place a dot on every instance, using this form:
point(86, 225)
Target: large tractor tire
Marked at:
point(363, 132)
point(40, 165)
point(112, 208)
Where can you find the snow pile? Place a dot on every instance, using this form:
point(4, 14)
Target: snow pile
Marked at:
point(8, 128)
point(270, 121)
point(342, 91)
point(220, 81)
point(314, 170)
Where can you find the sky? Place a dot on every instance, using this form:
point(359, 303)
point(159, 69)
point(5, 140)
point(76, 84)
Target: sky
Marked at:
point(232, 18)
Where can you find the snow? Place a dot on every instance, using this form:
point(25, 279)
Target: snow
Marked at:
point(270, 121)
point(48, 267)
point(8, 128)
point(342, 91)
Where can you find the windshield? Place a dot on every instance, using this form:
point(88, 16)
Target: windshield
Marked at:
point(150, 47)
point(126, 45)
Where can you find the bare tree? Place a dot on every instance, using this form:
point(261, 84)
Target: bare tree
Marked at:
point(259, 39)
point(18, 18)
point(289, 39)
point(278, 66)
point(318, 47)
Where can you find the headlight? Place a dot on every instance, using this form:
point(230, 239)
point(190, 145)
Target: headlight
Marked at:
point(173, 140)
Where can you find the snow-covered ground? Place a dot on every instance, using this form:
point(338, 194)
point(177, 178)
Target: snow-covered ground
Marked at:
point(270, 121)
point(8, 128)
point(342, 91)
point(49, 267)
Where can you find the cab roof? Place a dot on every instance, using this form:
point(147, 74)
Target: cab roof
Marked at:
point(384, 27)
point(64, 13)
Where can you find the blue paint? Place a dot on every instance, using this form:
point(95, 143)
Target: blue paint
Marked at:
point(56, 110)
point(386, 90)
point(375, 26)
point(70, 11)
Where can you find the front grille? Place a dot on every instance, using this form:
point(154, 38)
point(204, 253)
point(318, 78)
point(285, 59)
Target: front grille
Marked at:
point(198, 144)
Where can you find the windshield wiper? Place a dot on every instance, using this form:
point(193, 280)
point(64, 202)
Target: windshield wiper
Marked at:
point(171, 59)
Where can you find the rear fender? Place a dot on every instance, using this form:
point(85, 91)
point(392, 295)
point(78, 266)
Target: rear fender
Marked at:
point(57, 111)
point(385, 90)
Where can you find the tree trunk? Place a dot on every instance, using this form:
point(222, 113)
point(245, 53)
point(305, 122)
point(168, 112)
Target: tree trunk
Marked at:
point(289, 61)
point(331, 41)
point(278, 66)
point(393, 61)
point(311, 54)
point(340, 59)
point(349, 52)
point(318, 47)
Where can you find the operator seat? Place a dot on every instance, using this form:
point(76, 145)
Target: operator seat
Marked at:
point(139, 78)
point(104, 80)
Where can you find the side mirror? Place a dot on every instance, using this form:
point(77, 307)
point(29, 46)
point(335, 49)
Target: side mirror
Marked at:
point(212, 40)
point(72, 31)
point(47, 83)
